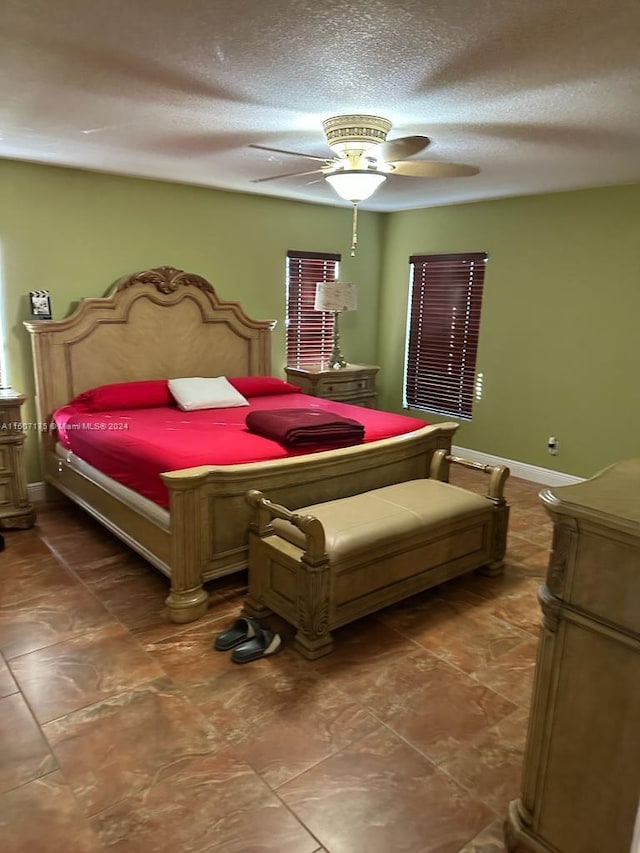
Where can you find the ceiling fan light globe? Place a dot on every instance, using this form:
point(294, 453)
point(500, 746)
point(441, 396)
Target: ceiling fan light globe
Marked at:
point(355, 185)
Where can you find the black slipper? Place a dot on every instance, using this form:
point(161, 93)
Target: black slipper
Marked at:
point(242, 629)
point(264, 643)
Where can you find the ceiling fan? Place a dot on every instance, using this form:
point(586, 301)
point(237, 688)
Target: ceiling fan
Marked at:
point(363, 159)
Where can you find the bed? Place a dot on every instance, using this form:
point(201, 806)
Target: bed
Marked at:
point(167, 323)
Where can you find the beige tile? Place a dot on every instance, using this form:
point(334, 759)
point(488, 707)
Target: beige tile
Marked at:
point(82, 671)
point(49, 619)
point(35, 573)
point(380, 795)
point(44, 817)
point(208, 803)
point(288, 721)
point(7, 682)
point(431, 704)
point(116, 747)
point(457, 628)
point(25, 754)
point(511, 674)
point(489, 765)
point(490, 840)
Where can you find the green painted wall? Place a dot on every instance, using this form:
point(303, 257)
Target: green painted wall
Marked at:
point(74, 233)
point(561, 305)
point(559, 327)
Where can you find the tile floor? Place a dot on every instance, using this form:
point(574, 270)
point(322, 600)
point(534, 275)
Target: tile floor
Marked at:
point(123, 732)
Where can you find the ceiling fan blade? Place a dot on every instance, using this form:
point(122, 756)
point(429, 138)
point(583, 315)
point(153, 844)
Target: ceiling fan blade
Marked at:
point(293, 153)
point(431, 169)
point(398, 149)
point(286, 175)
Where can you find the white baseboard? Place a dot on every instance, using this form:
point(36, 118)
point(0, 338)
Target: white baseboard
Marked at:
point(36, 492)
point(545, 476)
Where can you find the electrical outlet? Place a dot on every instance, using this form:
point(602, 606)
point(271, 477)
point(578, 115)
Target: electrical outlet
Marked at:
point(552, 445)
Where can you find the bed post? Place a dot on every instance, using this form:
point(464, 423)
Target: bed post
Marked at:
point(188, 599)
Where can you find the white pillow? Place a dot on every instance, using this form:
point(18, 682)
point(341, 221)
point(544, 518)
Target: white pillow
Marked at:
point(198, 392)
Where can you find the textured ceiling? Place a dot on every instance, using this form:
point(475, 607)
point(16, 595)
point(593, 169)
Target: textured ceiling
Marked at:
point(540, 95)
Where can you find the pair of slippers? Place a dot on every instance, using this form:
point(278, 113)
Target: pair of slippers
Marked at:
point(249, 641)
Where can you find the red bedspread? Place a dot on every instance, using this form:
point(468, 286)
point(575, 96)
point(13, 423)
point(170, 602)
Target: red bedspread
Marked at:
point(135, 446)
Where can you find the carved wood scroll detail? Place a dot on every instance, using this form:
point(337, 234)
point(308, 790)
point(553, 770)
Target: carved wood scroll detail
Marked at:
point(551, 608)
point(313, 601)
point(167, 280)
point(561, 548)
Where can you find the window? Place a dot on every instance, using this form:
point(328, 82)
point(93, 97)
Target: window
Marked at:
point(309, 332)
point(442, 332)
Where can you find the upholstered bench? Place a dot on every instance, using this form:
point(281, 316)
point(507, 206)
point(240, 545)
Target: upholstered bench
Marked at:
point(327, 564)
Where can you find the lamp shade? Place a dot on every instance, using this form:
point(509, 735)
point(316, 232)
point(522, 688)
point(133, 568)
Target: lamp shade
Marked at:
point(355, 184)
point(335, 296)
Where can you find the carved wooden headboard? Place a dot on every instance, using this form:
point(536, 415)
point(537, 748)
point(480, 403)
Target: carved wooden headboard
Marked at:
point(154, 324)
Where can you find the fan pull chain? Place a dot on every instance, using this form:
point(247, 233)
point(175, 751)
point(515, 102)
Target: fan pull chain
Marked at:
point(354, 233)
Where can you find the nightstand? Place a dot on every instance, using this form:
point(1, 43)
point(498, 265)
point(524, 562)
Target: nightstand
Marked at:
point(15, 509)
point(355, 383)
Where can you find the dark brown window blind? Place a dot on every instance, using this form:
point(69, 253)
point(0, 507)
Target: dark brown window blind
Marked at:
point(309, 332)
point(443, 330)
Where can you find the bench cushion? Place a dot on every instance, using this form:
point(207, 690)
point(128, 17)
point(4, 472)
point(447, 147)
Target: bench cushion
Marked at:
point(375, 518)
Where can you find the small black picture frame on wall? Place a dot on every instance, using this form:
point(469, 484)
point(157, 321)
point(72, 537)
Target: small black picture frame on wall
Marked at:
point(40, 304)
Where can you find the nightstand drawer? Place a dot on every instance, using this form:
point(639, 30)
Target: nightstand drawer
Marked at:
point(345, 386)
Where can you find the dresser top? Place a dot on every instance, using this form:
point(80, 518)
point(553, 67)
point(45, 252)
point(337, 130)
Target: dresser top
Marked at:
point(613, 493)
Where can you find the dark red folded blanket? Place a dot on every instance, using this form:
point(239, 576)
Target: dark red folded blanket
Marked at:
point(296, 427)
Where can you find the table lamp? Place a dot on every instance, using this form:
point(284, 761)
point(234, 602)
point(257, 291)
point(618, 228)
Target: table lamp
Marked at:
point(336, 296)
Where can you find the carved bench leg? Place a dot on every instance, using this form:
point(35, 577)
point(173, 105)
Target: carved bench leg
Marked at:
point(499, 544)
point(492, 570)
point(259, 568)
point(313, 647)
point(313, 639)
point(254, 608)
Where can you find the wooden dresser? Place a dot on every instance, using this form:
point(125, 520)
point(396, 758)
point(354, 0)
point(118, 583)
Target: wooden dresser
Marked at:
point(15, 510)
point(355, 383)
point(582, 764)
